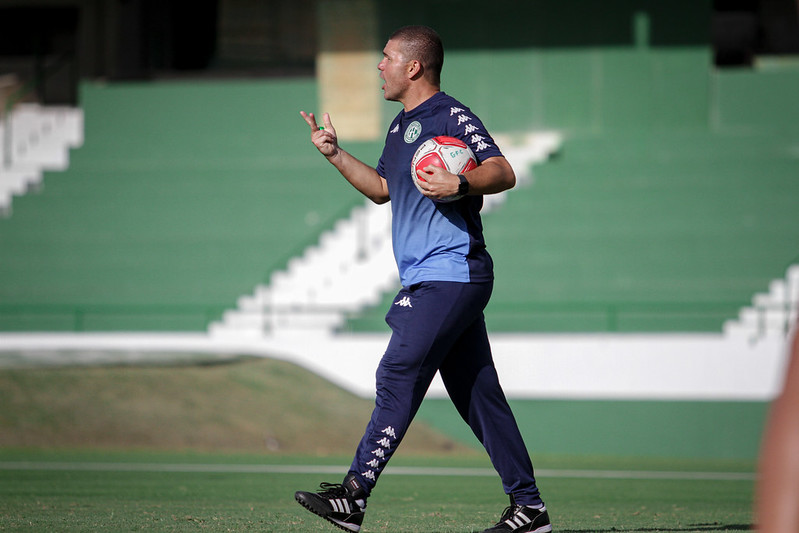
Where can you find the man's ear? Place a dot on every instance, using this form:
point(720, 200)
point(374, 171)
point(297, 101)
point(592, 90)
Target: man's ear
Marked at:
point(415, 69)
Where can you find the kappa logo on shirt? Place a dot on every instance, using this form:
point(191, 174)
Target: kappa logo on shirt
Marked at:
point(405, 301)
point(481, 144)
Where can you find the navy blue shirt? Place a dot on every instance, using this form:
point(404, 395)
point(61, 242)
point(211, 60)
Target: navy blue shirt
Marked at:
point(435, 241)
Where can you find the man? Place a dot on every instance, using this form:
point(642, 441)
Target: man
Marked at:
point(437, 318)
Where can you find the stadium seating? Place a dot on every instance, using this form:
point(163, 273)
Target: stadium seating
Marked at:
point(652, 224)
point(187, 198)
point(183, 198)
point(649, 232)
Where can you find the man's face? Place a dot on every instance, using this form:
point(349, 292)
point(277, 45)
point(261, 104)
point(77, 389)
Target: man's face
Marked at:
point(394, 71)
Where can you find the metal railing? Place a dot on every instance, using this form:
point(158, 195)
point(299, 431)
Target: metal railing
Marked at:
point(571, 317)
point(106, 317)
point(612, 317)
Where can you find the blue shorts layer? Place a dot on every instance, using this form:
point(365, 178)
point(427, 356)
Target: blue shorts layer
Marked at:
point(439, 326)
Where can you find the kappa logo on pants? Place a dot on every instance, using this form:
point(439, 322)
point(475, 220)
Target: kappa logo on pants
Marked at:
point(405, 301)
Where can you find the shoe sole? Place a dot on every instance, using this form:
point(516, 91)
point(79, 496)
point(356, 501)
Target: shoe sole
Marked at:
point(354, 528)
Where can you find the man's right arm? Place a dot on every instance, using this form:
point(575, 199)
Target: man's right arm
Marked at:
point(359, 174)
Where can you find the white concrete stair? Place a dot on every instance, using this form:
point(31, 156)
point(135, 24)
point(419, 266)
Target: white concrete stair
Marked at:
point(34, 139)
point(772, 314)
point(349, 268)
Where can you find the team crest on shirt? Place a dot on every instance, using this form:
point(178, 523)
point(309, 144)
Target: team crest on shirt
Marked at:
point(413, 131)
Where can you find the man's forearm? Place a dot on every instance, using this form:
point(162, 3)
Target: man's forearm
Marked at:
point(494, 175)
point(361, 176)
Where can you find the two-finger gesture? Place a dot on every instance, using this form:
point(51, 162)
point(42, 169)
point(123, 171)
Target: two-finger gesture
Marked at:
point(324, 137)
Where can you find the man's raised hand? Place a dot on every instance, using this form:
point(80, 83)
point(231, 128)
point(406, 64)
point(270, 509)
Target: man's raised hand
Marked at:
point(324, 138)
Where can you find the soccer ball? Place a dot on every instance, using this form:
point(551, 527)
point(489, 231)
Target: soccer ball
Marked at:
point(448, 153)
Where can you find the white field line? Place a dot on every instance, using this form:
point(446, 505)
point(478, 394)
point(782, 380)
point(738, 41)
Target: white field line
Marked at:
point(338, 470)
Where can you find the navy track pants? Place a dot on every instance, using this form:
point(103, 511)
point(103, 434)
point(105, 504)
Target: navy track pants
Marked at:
point(439, 326)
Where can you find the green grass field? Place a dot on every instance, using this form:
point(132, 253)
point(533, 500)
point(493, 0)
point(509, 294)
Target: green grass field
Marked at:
point(200, 444)
point(81, 491)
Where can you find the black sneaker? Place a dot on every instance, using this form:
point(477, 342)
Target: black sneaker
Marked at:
point(341, 504)
point(522, 519)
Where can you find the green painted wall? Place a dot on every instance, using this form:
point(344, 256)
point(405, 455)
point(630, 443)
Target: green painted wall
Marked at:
point(574, 65)
point(680, 429)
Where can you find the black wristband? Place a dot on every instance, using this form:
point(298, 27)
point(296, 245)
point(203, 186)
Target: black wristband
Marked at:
point(463, 188)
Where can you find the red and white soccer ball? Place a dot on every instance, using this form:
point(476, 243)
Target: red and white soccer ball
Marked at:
point(448, 153)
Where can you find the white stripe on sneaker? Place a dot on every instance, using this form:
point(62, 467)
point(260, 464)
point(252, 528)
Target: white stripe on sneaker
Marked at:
point(518, 520)
point(340, 505)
